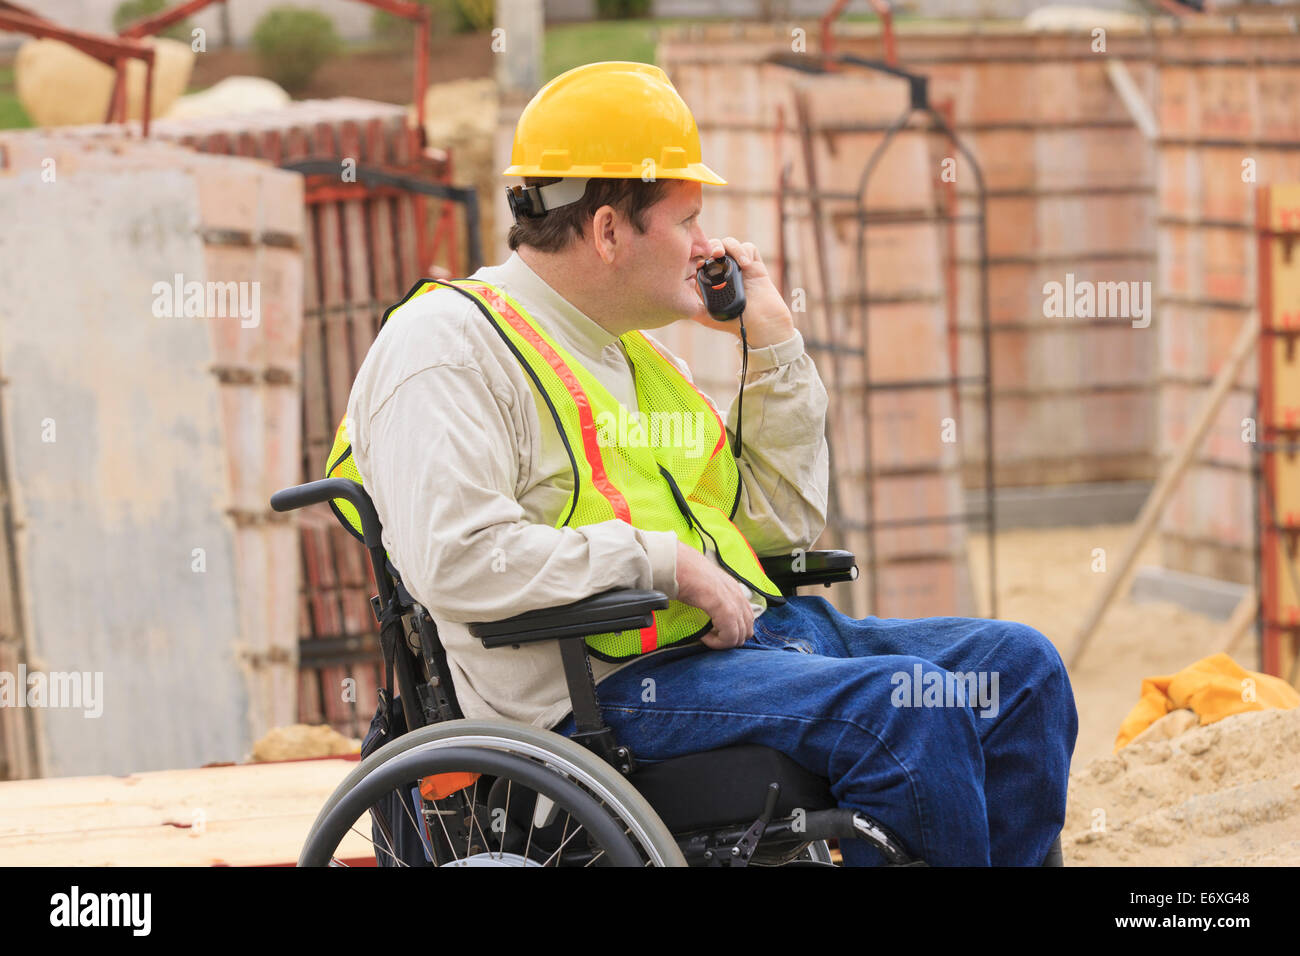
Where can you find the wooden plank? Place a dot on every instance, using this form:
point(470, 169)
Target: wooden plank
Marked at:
point(329, 250)
point(270, 146)
point(406, 219)
point(309, 697)
point(318, 436)
point(16, 757)
point(380, 213)
point(272, 841)
point(241, 815)
point(337, 566)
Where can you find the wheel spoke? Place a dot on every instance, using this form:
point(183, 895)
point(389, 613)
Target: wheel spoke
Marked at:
point(532, 822)
point(383, 833)
point(474, 823)
point(505, 824)
point(556, 854)
point(443, 823)
point(371, 841)
point(419, 830)
point(473, 817)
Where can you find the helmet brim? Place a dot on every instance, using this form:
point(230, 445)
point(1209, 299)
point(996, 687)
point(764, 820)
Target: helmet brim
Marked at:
point(693, 172)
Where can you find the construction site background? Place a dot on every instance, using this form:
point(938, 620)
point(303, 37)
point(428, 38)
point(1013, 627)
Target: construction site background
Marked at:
point(1119, 165)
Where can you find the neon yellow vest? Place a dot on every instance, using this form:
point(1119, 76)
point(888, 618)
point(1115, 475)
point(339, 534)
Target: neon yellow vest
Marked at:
point(668, 469)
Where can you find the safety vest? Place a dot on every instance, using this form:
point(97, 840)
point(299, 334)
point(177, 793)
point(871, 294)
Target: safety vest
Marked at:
point(667, 468)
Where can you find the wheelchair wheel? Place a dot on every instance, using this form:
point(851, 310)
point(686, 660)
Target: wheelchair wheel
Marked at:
point(536, 798)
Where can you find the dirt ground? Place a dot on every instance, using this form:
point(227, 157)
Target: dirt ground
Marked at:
point(1223, 794)
point(1045, 580)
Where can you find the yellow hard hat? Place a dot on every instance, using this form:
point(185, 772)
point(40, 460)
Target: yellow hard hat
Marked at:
point(612, 120)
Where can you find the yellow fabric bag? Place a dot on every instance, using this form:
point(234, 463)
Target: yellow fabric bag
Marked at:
point(1214, 687)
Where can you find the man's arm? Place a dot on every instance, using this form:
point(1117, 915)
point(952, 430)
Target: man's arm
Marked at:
point(784, 461)
point(442, 467)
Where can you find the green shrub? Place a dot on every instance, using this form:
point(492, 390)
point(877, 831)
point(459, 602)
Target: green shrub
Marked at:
point(129, 11)
point(475, 16)
point(622, 9)
point(445, 17)
point(291, 43)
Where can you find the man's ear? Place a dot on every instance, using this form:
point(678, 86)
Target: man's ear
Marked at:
point(604, 230)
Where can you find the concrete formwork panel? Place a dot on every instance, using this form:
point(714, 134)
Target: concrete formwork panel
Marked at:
point(245, 220)
point(1226, 103)
point(115, 507)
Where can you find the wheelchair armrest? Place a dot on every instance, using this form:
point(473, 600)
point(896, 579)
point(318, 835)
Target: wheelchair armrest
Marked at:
point(618, 610)
point(815, 567)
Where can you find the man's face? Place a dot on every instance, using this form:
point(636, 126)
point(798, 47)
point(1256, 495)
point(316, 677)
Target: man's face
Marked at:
point(660, 274)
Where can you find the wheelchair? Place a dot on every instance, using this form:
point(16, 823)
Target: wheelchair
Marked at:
point(443, 790)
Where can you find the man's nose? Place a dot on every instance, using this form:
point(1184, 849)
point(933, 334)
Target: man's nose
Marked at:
point(700, 248)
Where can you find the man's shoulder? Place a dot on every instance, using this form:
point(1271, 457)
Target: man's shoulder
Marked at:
point(439, 328)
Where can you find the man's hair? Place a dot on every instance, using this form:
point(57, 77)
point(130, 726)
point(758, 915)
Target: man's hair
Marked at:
point(554, 231)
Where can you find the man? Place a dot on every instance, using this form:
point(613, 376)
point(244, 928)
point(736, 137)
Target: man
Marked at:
point(486, 424)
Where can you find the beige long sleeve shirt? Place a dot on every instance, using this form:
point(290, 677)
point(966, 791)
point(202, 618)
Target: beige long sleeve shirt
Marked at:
point(469, 480)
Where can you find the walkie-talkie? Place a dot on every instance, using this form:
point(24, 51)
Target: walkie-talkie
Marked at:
point(721, 288)
point(723, 292)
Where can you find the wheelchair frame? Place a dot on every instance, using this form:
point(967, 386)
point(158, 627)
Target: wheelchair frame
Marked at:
point(432, 700)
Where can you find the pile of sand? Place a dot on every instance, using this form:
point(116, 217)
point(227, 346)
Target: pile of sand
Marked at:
point(303, 740)
point(1225, 794)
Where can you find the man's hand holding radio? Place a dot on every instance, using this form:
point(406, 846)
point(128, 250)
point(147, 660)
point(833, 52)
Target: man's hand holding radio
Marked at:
point(702, 584)
point(767, 317)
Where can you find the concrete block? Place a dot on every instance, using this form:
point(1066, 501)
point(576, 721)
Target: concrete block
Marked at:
point(1056, 506)
point(1209, 596)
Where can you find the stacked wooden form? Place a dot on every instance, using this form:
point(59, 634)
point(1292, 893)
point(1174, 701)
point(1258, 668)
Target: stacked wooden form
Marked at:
point(1070, 197)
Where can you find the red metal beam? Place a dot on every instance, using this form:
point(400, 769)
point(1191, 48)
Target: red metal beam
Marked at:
point(419, 15)
point(105, 49)
point(156, 23)
point(883, 10)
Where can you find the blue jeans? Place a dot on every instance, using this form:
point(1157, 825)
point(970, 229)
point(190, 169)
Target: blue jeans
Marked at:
point(968, 771)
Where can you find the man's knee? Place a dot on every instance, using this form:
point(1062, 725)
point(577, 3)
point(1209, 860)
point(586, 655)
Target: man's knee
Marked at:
point(1043, 679)
point(1036, 657)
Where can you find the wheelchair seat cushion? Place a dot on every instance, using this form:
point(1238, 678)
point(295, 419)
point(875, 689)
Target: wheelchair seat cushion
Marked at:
point(728, 786)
